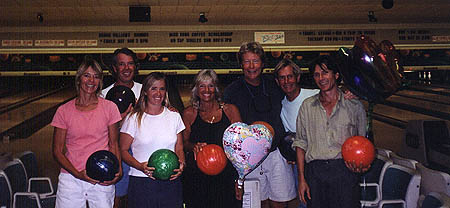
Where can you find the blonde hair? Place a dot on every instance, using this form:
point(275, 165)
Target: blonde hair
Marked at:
point(253, 47)
point(139, 108)
point(89, 62)
point(204, 75)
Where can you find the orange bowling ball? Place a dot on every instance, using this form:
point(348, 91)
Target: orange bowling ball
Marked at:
point(267, 125)
point(141, 56)
point(211, 159)
point(4, 57)
point(358, 149)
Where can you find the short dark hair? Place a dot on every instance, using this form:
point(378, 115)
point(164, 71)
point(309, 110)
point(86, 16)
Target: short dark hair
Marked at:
point(127, 52)
point(253, 47)
point(328, 61)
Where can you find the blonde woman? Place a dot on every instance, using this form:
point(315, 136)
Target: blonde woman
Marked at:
point(149, 127)
point(83, 126)
point(206, 120)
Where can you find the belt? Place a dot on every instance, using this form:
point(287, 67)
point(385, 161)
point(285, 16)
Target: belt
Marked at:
point(324, 161)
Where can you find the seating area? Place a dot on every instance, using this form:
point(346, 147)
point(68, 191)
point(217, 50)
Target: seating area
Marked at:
point(20, 186)
point(394, 181)
point(391, 181)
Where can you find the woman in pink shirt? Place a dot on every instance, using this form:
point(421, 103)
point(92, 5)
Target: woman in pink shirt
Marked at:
point(83, 126)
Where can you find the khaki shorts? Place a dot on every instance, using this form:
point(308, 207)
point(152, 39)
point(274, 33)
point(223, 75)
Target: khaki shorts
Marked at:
point(275, 177)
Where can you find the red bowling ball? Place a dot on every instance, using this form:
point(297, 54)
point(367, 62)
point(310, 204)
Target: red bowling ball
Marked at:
point(358, 149)
point(211, 159)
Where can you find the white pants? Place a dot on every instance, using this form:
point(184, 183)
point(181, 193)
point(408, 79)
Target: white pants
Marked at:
point(73, 192)
point(275, 178)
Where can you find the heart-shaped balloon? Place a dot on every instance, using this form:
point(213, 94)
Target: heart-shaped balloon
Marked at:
point(246, 146)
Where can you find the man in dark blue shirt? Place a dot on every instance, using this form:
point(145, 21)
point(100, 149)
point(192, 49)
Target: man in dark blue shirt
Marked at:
point(258, 98)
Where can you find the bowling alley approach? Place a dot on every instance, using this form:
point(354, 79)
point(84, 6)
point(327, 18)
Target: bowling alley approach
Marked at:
point(225, 103)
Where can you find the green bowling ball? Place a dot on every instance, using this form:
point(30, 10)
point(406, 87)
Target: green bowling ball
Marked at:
point(164, 161)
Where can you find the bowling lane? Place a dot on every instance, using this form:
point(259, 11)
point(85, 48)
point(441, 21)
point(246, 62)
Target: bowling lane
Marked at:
point(424, 96)
point(399, 114)
point(18, 115)
point(431, 89)
point(431, 106)
point(20, 96)
point(387, 136)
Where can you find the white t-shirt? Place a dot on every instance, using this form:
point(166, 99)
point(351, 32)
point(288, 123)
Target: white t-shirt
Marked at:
point(136, 90)
point(289, 110)
point(156, 132)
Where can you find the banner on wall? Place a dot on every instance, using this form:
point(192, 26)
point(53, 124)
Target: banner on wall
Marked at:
point(16, 43)
point(49, 43)
point(222, 38)
point(82, 43)
point(270, 37)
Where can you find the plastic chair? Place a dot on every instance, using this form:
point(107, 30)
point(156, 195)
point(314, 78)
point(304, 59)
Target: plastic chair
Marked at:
point(384, 152)
point(15, 171)
point(433, 181)
point(400, 187)
point(405, 162)
point(436, 200)
point(5, 191)
point(370, 181)
point(29, 160)
point(437, 142)
point(32, 200)
point(41, 185)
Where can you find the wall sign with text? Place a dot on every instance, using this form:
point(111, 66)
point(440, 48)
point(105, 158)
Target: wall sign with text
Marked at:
point(220, 38)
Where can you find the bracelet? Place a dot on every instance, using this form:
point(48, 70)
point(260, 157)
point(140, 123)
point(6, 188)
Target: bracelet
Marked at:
point(240, 183)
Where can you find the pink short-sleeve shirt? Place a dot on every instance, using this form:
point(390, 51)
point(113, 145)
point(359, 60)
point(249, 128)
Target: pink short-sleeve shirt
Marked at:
point(87, 131)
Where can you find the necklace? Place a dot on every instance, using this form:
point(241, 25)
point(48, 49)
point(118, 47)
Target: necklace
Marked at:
point(208, 117)
point(208, 113)
point(212, 120)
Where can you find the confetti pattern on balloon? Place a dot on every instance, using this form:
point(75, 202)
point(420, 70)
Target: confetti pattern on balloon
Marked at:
point(246, 146)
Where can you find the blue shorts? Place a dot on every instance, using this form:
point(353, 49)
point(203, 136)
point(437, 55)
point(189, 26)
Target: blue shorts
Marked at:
point(122, 185)
point(146, 192)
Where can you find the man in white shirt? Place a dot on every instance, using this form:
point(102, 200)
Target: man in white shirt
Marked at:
point(123, 69)
point(287, 75)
